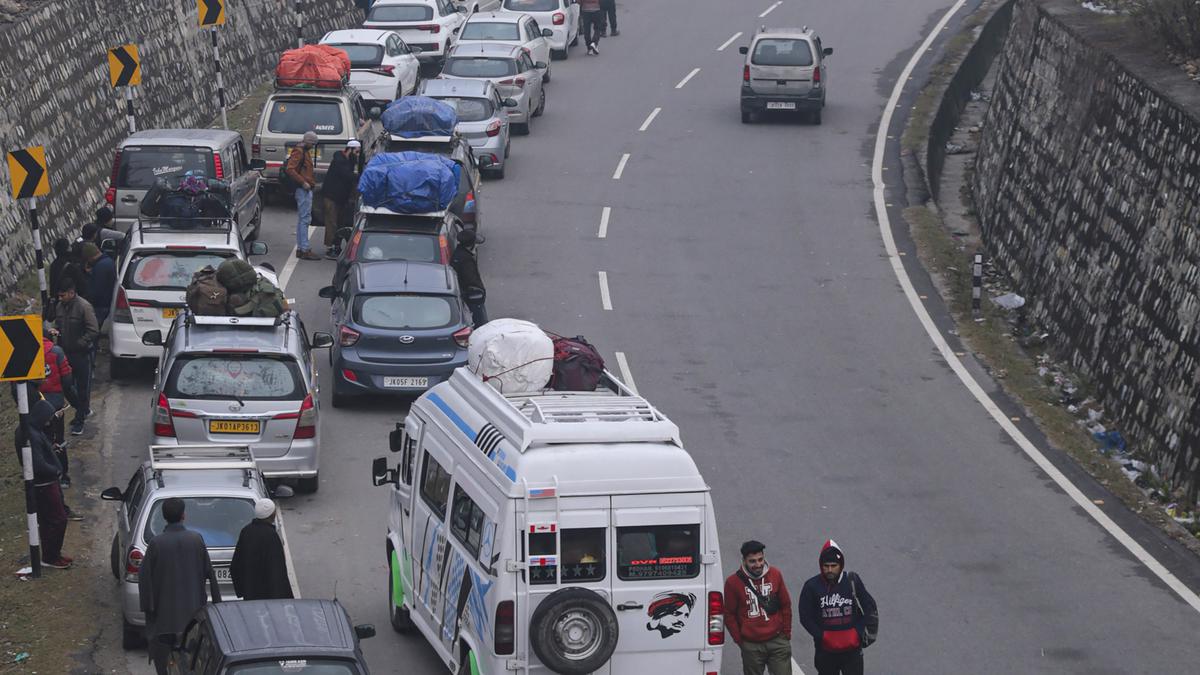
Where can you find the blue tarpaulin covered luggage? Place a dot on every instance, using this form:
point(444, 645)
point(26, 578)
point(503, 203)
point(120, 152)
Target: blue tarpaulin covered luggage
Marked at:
point(417, 116)
point(409, 182)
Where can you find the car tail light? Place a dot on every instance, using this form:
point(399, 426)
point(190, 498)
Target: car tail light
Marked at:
point(110, 195)
point(349, 375)
point(385, 70)
point(716, 619)
point(505, 635)
point(494, 128)
point(164, 425)
point(462, 336)
point(122, 314)
point(352, 250)
point(306, 420)
point(431, 27)
point(218, 168)
point(469, 208)
point(526, 50)
point(133, 563)
point(817, 75)
point(514, 81)
point(745, 73)
point(348, 336)
point(256, 147)
point(444, 249)
point(559, 18)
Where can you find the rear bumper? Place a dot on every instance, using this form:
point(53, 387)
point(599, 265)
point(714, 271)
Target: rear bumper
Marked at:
point(131, 605)
point(302, 460)
point(754, 102)
point(125, 343)
point(490, 145)
point(558, 41)
point(370, 375)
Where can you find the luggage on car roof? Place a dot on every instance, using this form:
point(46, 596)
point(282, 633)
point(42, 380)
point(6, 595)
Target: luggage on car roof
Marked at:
point(409, 182)
point(319, 66)
point(417, 116)
point(262, 299)
point(236, 275)
point(205, 295)
point(577, 364)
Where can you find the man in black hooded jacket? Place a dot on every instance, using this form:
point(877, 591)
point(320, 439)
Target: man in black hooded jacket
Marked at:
point(51, 511)
point(839, 613)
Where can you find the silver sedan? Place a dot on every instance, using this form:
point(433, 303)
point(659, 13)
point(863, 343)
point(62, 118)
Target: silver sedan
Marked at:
point(482, 118)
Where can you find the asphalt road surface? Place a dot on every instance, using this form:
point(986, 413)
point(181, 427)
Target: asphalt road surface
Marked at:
point(748, 291)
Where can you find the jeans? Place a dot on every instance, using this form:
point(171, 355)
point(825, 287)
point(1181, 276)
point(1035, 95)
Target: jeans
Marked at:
point(81, 367)
point(608, 10)
point(304, 203)
point(593, 24)
point(52, 520)
point(775, 655)
point(478, 313)
point(839, 663)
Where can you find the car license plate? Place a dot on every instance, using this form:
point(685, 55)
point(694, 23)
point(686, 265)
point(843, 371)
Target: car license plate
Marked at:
point(781, 105)
point(406, 382)
point(170, 312)
point(233, 426)
point(224, 575)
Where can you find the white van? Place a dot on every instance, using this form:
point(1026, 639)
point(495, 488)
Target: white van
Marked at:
point(551, 532)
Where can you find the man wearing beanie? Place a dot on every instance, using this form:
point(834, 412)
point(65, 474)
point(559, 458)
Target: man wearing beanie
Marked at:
point(302, 172)
point(839, 613)
point(758, 613)
point(259, 567)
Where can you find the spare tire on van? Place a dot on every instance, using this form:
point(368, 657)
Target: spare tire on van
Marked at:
point(512, 355)
point(554, 634)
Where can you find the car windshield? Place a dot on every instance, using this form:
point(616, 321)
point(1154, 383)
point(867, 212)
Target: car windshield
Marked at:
point(296, 116)
point(400, 13)
point(404, 311)
point(168, 270)
point(471, 109)
point(243, 377)
point(782, 52)
point(414, 247)
point(490, 30)
point(140, 166)
point(294, 666)
point(218, 519)
point(531, 5)
point(362, 56)
point(480, 67)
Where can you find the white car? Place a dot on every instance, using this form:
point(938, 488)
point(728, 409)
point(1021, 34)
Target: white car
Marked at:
point(561, 17)
point(510, 28)
point(382, 67)
point(429, 25)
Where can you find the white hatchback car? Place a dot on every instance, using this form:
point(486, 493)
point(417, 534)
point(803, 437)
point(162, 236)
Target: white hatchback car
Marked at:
point(429, 25)
point(561, 17)
point(510, 28)
point(382, 67)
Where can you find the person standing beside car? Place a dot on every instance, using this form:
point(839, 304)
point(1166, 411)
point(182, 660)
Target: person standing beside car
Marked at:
point(758, 613)
point(839, 613)
point(77, 333)
point(470, 282)
point(302, 172)
point(337, 192)
point(609, 7)
point(259, 567)
point(591, 19)
point(58, 388)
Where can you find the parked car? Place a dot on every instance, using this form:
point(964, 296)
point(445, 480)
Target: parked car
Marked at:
point(458, 149)
point(784, 70)
point(401, 328)
point(482, 118)
point(146, 156)
point(382, 67)
point(261, 637)
point(510, 28)
point(240, 380)
point(560, 17)
point(429, 25)
point(380, 234)
point(508, 67)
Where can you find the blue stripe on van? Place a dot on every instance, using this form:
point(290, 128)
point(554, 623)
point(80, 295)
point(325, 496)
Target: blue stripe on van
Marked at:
point(498, 455)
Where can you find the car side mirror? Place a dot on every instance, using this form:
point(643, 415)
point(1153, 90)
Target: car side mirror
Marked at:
point(396, 438)
point(743, 50)
point(364, 630)
point(546, 32)
point(375, 112)
point(258, 164)
point(152, 338)
point(345, 233)
point(415, 50)
point(322, 340)
point(510, 103)
point(327, 292)
point(108, 246)
point(827, 51)
point(112, 494)
point(540, 65)
point(283, 491)
point(257, 248)
point(380, 473)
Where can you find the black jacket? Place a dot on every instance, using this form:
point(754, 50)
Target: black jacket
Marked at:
point(832, 616)
point(467, 267)
point(341, 180)
point(171, 581)
point(46, 468)
point(259, 568)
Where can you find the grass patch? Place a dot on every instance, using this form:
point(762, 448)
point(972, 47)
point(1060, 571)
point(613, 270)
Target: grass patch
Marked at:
point(243, 115)
point(916, 134)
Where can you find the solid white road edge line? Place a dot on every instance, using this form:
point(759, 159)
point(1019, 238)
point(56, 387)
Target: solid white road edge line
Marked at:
point(885, 230)
point(621, 166)
point(290, 266)
point(688, 77)
point(649, 119)
point(287, 553)
point(770, 9)
point(796, 669)
point(729, 41)
point(626, 375)
point(605, 299)
point(604, 214)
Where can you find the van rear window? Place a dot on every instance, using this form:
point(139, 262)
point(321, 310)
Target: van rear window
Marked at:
point(298, 116)
point(658, 552)
point(140, 166)
point(582, 556)
point(782, 52)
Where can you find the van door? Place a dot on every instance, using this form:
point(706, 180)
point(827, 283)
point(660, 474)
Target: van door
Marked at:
point(429, 530)
point(659, 584)
point(782, 65)
point(400, 512)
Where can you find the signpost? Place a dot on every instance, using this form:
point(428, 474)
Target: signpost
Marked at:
point(30, 180)
point(125, 70)
point(211, 14)
point(22, 359)
point(299, 25)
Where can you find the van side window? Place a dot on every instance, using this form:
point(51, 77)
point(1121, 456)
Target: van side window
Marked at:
point(406, 460)
point(658, 552)
point(435, 486)
point(582, 555)
point(466, 521)
point(133, 496)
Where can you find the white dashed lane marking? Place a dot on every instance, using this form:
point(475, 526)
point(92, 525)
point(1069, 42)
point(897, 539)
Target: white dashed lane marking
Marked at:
point(649, 119)
point(604, 215)
point(626, 374)
point(687, 78)
point(605, 298)
point(621, 166)
point(729, 41)
point(770, 9)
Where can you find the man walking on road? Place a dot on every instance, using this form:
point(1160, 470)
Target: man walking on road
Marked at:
point(609, 7)
point(77, 334)
point(758, 613)
point(171, 581)
point(591, 19)
point(259, 566)
point(470, 283)
point(301, 170)
point(337, 192)
point(839, 613)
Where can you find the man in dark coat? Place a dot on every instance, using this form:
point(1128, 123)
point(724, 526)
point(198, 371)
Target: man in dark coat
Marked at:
point(259, 566)
point(102, 281)
point(470, 283)
point(51, 511)
point(171, 581)
point(839, 614)
point(341, 182)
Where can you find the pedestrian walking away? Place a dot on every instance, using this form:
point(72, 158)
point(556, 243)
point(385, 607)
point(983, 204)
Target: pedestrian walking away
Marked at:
point(171, 581)
point(609, 7)
point(301, 170)
point(77, 331)
point(470, 283)
point(337, 194)
point(758, 613)
point(259, 566)
point(51, 511)
point(591, 19)
point(840, 615)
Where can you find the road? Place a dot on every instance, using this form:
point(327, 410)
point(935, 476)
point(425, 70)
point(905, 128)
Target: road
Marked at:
point(749, 291)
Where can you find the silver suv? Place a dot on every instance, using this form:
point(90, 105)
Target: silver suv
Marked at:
point(784, 70)
point(250, 381)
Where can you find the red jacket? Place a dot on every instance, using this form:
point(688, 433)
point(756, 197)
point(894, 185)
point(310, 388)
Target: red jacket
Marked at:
point(745, 619)
point(57, 368)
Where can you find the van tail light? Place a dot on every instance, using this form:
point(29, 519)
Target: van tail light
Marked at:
point(352, 250)
point(514, 81)
point(122, 314)
point(306, 420)
point(716, 619)
point(348, 336)
point(493, 129)
point(559, 18)
point(745, 73)
point(385, 70)
point(444, 249)
point(110, 195)
point(218, 167)
point(817, 76)
point(256, 147)
point(505, 635)
point(133, 563)
point(461, 337)
point(431, 27)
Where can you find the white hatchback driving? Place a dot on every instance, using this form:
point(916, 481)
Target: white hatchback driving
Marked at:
point(510, 28)
point(382, 66)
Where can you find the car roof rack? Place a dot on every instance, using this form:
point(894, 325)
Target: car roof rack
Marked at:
point(380, 211)
point(190, 319)
point(202, 456)
point(172, 225)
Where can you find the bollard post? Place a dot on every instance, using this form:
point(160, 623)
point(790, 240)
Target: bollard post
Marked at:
point(977, 288)
point(38, 257)
point(35, 542)
point(299, 24)
point(129, 117)
point(220, 79)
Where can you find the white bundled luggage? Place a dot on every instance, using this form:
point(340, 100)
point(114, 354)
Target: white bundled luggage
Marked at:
point(513, 356)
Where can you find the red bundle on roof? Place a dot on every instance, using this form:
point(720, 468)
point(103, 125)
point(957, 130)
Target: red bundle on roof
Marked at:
point(314, 66)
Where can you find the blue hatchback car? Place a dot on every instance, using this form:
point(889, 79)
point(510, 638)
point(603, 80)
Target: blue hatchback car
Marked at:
point(400, 328)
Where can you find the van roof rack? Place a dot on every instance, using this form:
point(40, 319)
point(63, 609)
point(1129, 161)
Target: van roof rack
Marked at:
point(201, 456)
point(171, 225)
point(617, 415)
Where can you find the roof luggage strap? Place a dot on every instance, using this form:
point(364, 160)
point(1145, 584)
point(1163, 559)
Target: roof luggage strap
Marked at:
point(207, 456)
point(311, 83)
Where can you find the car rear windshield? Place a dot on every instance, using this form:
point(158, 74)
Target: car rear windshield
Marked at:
point(293, 116)
point(399, 246)
point(471, 109)
point(480, 67)
point(218, 519)
point(141, 165)
point(168, 270)
point(782, 52)
point(400, 13)
point(294, 665)
point(490, 30)
point(658, 552)
point(531, 5)
point(362, 56)
point(227, 377)
point(404, 311)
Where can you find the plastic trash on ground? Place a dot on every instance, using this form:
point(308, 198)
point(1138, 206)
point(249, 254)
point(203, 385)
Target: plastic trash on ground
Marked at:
point(1009, 301)
point(417, 116)
point(409, 182)
point(512, 355)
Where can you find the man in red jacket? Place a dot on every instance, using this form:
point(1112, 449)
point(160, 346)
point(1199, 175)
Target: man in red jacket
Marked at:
point(758, 613)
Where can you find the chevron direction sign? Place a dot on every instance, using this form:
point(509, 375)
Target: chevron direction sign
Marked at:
point(27, 168)
point(212, 12)
point(21, 355)
point(124, 66)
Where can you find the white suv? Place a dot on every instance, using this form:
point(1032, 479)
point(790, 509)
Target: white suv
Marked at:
point(429, 25)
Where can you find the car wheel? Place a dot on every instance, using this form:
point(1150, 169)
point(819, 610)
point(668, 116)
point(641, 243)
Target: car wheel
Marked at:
point(256, 222)
point(340, 400)
point(507, 146)
point(574, 41)
point(815, 116)
point(132, 636)
point(546, 75)
point(747, 117)
point(308, 485)
point(120, 369)
point(541, 105)
point(397, 616)
point(560, 54)
point(496, 174)
point(573, 631)
point(520, 129)
point(114, 558)
point(464, 668)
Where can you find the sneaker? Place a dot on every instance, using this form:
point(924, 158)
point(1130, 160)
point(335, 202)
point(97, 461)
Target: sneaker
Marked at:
point(77, 429)
point(64, 483)
point(332, 254)
point(307, 255)
point(60, 564)
point(616, 32)
point(595, 50)
point(74, 515)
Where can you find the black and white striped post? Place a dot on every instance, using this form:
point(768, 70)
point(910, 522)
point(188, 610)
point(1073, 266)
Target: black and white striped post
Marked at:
point(977, 287)
point(299, 24)
point(220, 78)
point(31, 518)
point(38, 257)
point(129, 117)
